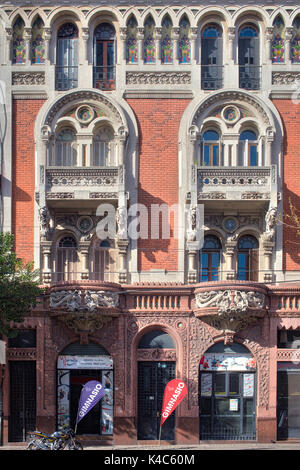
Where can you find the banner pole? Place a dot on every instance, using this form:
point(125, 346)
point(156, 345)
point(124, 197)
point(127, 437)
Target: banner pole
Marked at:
point(159, 433)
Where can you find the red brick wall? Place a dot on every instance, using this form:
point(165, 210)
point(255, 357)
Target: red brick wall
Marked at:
point(290, 114)
point(23, 175)
point(158, 121)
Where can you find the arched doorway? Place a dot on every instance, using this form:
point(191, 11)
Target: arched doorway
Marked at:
point(76, 365)
point(155, 370)
point(227, 393)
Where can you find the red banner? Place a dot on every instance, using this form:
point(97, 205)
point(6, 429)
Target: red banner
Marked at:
point(174, 393)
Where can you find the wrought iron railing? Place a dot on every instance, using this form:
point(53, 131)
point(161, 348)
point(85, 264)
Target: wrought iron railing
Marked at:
point(104, 77)
point(250, 77)
point(66, 78)
point(211, 77)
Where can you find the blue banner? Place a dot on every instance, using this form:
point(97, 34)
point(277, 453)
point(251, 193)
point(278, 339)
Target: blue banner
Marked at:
point(91, 394)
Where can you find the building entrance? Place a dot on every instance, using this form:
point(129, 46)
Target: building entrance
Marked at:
point(227, 394)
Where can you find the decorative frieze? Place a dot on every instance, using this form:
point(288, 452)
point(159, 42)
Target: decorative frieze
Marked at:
point(76, 300)
point(79, 177)
point(285, 78)
point(28, 78)
point(158, 78)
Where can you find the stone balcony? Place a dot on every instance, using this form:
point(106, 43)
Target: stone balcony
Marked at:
point(237, 183)
point(82, 183)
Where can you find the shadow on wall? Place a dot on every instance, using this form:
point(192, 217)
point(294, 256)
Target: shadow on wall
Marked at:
point(291, 239)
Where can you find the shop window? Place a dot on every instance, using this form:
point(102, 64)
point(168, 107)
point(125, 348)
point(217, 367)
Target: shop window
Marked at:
point(38, 42)
point(288, 339)
point(278, 41)
point(248, 144)
point(184, 45)
point(66, 73)
point(166, 41)
point(249, 60)
point(210, 148)
point(210, 256)
point(211, 57)
point(19, 44)
point(247, 259)
point(131, 41)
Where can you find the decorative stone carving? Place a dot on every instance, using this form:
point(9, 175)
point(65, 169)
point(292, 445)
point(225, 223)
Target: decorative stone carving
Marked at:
point(270, 224)
point(79, 177)
point(76, 300)
point(255, 195)
point(28, 78)
point(60, 195)
point(45, 221)
point(191, 231)
point(212, 195)
point(285, 78)
point(122, 222)
point(158, 78)
point(236, 309)
point(98, 195)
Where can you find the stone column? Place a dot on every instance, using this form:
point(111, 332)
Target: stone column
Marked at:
point(123, 37)
point(122, 246)
point(46, 255)
point(47, 32)
point(85, 38)
point(140, 38)
point(157, 45)
point(287, 46)
point(194, 33)
point(175, 45)
point(84, 247)
point(268, 252)
point(28, 45)
point(231, 39)
point(269, 38)
point(193, 251)
point(9, 37)
point(230, 249)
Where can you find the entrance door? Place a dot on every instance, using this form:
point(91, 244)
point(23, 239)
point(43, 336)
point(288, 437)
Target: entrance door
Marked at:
point(22, 399)
point(152, 380)
point(227, 405)
point(91, 423)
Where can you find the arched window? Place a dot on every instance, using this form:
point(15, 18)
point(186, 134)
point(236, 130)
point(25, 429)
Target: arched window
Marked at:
point(166, 41)
point(103, 261)
point(278, 40)
point(38, 42)
point(66, 148)
point(247, 258)
point(156, 340)
point(131, 41)
point(249, 61)
point(19, 44)
point(211, 57)
point(103, 147)
point(104, 57)
point(67, 57)
point(67, 259)
point(184, 44)
point(149, 42)
point(248, 148)
point(295, 42)
point(210, 259)
point(210, 148)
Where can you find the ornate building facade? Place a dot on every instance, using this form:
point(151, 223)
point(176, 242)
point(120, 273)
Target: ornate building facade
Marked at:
point(137, 108)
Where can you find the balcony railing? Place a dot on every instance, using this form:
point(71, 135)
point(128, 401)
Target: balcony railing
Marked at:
point(67, 180)
point(66, 78)
point(104, 78)
point(250, 77)
point(211, 77)
point(234, 182)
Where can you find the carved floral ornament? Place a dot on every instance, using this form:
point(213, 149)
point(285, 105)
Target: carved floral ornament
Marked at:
point(84, 310)
point(230, 310)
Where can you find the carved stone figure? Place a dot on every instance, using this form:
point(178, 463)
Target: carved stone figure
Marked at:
point(270, 224)
point(71, 300)
point(122, 222)
point(108, 299)
point(191, 224)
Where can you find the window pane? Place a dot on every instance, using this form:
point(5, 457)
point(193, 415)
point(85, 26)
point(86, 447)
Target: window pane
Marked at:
point(253, 155)
point(220, 384)
point(234, 382)
point(215, 155)
point(242, 266)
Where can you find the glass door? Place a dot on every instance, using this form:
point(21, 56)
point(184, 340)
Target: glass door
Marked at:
point(104, 57)
point(152, 380)
point(227, 405)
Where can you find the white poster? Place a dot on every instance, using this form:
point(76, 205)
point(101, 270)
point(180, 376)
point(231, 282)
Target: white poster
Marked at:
point(248, 385)
point(63, 398)
point(234, 404)
point(227, 361)
point(107, 403)
point(206, 385)
point(84, 362)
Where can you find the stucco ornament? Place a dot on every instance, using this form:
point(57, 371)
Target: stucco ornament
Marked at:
point(229, 310)
point(270, 224)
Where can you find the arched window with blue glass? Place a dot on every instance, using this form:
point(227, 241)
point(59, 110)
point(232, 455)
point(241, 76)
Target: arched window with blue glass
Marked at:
point(210, 258)
point(210, 148)
point(248, 143)
point(247, 258)
point(67, 57)
point(249, 58)
point(211, 57)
